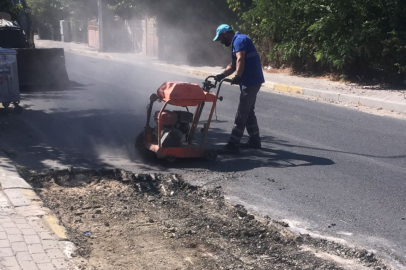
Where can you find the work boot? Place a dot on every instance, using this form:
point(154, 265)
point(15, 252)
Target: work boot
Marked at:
point(229, 149)
point(251, 144)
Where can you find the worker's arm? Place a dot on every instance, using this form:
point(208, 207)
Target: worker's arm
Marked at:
point(240, 63)
point(237, 65)
point(229, 69)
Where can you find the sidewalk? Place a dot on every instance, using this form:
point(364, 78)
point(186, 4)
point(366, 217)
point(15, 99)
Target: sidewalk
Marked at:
point(30, 236)
point(388, 99)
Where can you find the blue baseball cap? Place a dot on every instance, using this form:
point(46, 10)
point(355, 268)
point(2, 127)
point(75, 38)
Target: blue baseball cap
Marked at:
point(222, 29)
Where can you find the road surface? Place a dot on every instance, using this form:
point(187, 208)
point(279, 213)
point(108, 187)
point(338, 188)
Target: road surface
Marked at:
point(324, 169)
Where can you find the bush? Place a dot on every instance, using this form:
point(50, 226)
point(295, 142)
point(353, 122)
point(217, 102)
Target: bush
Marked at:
point(358, 38)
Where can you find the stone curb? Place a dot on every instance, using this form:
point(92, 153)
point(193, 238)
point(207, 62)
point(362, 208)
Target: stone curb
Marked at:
point(23, 198)
point(91, 53)
point(54, 224)
point(326, 95)
point(281, 88)
point(334, 96)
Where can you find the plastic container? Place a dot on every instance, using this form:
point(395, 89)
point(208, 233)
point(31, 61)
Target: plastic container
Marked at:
point(9, 87)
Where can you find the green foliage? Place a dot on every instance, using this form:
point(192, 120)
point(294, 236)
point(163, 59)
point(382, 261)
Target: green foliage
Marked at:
point(80, 9)
point(8, 7)
point(354, 37)
point(47, 11)
point(130, 8)
point(359, 37)
point(53, 10)
point(185, 27)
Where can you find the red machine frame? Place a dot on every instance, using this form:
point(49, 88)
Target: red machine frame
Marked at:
point(184, 95)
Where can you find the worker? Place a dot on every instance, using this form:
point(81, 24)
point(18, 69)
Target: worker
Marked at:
point(248, 74)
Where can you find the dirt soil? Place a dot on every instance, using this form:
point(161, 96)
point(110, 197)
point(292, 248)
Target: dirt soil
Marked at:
point(119, 220)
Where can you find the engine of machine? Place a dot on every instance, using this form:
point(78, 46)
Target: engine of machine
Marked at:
point(175, 127)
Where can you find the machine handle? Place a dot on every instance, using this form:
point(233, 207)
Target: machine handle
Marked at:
point(225, 80)
point(207, 84)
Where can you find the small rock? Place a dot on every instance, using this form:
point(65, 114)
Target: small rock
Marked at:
point(106, 224)
point(241, 213)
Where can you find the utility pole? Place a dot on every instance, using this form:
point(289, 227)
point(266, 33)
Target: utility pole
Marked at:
point(100, 16)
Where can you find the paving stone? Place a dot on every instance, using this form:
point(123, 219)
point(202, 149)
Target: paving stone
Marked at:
point(3, 235)
point(14, 182)
point(28, 265)
point(4, 243)
point(9, 225)
point(4, 200)
point(55, 253)
point(24, 256)
point(19, 246)
point(23, 226)
point(16, 197)
point(10, 231)
point(50, 244)
point(4, 219)
point(8, 210)
point(60, 264)
point(46, 266)
point(37, 224)
point(36, 248)
point(1, 228)
point(20, 221)
point(41, 258)
point(6, 252)
point(13, 268)
point(9, 261)
point(16, 238)
point(28, 232)
point(32, 239)
point(32, 210)
point(8, 168)
point(46, 236)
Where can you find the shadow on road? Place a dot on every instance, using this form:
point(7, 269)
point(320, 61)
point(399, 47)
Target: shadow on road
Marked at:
point(52, 88)
point(88, 139)
point(271, 155)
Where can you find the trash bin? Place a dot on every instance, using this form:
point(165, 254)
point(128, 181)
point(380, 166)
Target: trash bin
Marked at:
point(9, 87)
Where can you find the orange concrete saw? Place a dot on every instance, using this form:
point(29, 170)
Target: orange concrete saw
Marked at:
point(174, 134)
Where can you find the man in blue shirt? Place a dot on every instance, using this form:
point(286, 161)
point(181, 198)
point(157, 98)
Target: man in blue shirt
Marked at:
point(248, 73)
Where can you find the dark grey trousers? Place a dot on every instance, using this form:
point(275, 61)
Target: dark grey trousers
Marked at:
point(245, 117)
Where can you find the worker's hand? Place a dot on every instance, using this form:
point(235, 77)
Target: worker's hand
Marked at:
point(236, 80)
point(219, 77)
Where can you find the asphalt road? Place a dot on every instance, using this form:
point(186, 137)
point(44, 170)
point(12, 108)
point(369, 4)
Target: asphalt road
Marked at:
point(324, 169)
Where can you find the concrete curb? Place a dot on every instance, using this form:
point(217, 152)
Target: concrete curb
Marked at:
point(326, 95)
point(338, 97)
point(54, 224)
point(91, 53)
point(281, 88)
point(23, 198)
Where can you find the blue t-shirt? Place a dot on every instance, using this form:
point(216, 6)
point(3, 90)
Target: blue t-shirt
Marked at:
point(252, 74)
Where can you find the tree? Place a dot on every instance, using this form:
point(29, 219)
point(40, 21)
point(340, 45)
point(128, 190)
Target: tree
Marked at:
point(8, 7)
point(80, 9)
point(185, 27)
point(361, 38)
